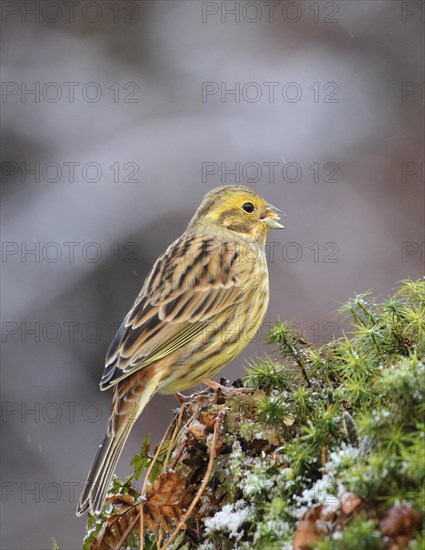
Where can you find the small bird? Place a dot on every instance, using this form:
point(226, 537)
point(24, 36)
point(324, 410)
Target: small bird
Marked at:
point(201, 304)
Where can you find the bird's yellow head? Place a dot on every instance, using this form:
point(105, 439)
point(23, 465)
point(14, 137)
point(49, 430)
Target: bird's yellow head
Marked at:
point(237, 209)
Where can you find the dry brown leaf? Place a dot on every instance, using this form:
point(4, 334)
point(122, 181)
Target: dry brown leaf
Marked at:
point(198, 431)
point(116, 525)
point(350, 503)
point(120, 500)
point(309, 530)
point(208, 420)
point(400, 522)
point(166, 502)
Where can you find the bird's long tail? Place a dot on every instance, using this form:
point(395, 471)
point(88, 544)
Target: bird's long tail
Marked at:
point(117, 432)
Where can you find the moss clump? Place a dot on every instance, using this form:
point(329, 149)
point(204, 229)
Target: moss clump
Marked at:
point(327, 452)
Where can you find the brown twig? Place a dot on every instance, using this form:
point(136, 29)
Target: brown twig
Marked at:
point(127, 532)
point(145, 482)
point(174, 436)
point(184, 444)
point(142, 527)
point(203, 484)
point(178, 454)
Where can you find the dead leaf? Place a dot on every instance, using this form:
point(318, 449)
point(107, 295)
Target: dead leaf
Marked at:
point(166, 502)
point(117, 524)
point(350, 503)
point(198, 431)
point(309, 530)
point(400, 520)
point(208, 420)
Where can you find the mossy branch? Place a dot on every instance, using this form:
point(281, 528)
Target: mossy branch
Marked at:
point(326, 453)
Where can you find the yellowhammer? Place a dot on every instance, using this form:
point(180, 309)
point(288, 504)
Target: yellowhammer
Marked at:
point(201, 304)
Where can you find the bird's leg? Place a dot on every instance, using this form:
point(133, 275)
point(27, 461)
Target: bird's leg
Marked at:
point(225, 390)
point(182, 399)
point(214, 385)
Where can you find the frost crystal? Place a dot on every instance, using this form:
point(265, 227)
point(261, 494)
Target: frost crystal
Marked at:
point(320, 492)
point(229, 518)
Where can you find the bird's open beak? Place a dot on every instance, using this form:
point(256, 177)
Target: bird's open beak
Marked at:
point(271, 215)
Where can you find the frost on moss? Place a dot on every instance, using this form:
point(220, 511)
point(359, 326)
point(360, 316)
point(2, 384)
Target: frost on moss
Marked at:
point(326, 453)
point(228, 520)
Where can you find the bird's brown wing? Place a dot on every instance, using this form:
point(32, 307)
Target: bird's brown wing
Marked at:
point(193, 282)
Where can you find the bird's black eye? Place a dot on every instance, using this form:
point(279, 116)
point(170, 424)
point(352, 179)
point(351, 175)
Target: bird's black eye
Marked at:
point(248, 207)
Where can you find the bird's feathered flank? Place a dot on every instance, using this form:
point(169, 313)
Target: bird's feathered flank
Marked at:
point(200, 306)
point(176, 304)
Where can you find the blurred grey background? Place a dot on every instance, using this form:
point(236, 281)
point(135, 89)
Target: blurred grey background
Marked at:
point(117, 117)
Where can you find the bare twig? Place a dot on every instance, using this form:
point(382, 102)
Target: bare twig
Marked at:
point(178, 454)
point(204, 483)
point(142, 527)
point(145, 482)
point(127, 532)
point(174, 436)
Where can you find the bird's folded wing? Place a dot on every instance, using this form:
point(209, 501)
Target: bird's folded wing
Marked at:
point(177, 303)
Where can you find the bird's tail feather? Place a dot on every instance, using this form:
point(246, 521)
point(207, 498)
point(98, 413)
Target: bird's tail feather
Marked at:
point(102, 470)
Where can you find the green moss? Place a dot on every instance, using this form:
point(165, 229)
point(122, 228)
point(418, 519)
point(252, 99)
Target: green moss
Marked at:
point(266, 375)
point(361, 534)
point(345, 418)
